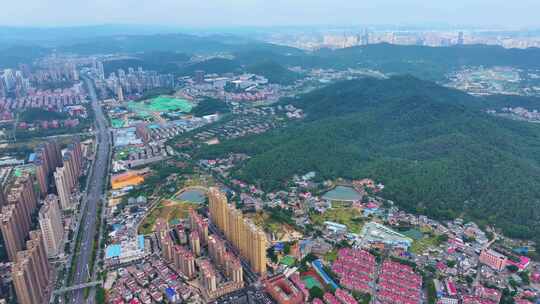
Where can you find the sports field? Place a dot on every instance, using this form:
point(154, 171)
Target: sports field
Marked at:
point(162, 104)
point(311, 282)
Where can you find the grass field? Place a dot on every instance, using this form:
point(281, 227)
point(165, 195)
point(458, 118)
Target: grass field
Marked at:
point(428, 240)
point(162, 104)
point(312, 282)
point(283, 232)
point(288, 260)
point(167, 209)
point(117, 123)
point(348, 216)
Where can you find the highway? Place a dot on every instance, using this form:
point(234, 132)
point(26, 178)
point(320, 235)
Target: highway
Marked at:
point(93, 195)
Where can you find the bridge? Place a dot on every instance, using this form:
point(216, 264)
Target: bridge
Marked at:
point(77, 287)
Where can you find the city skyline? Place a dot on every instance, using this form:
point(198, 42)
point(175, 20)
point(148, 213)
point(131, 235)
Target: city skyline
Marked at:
point(240, 13)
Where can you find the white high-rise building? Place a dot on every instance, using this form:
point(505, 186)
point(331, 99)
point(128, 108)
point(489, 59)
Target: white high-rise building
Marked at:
point(50, 221)
point(63, 187)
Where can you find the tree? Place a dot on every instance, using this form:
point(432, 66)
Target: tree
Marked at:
point(512, 268)
point(287, 248)
point(431, 292)
point(272, 254)
point(442, 238)
point(451, 263)
point(524, 275)
point(362, 298)
point(315, 292)
point(100, 295)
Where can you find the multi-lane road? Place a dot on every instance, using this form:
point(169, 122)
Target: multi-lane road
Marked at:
point(94, 194)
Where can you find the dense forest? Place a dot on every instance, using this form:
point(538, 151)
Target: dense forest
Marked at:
point(159, 61)
point(274, 72)
point(434, 148)
point(35, 114)
point(209, 106)
point(11, 57)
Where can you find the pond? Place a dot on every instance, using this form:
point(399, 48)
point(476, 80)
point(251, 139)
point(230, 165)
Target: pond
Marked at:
point(342, 193)
point(192, 196)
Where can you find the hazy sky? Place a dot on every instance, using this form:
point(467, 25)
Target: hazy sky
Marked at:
point(203, 13)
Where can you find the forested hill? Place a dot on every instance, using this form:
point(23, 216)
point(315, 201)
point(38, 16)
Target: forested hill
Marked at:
point(434, 148)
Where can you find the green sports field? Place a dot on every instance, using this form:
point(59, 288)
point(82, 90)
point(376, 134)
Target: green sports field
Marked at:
point(162, 104)
point(311, 282)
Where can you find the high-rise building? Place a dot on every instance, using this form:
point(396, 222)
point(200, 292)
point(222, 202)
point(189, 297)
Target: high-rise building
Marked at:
point(63, 188)
point(67, 177)
point(15, 218)
point(195, 243)
point(50, 221)
point(3, 91)
point(2, 196)
point(233, 268)
point(216, 250)
point(119, 93)
point(184, 261)
point(242, 233)
point(460, 39)
point(199, 77)
point(31, 272)
point(208, 274)
point(100, 70)
point(47, 159)
point(13, 230)
point(365, 37)
point(199, 224)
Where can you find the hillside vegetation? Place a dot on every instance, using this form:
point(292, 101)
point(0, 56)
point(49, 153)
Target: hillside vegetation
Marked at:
point(434, 148)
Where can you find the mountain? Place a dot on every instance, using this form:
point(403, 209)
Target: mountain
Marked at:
point(424, 61)
point(11, 57)
point(160, 61)
point(274, 72)
point(436, 150)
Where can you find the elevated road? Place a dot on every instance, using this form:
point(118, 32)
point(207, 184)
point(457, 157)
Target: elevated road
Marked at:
point(77, 287)
point(94, 194)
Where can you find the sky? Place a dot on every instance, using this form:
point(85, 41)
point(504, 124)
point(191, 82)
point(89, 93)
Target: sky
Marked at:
point(267, 13)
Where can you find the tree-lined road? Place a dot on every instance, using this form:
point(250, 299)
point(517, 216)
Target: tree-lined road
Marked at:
point(93, 196)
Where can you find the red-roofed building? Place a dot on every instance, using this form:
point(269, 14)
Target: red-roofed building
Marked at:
point(330, 299)
point(283, 291)
point(345, 297)
point(493, 259)
point(522, 264)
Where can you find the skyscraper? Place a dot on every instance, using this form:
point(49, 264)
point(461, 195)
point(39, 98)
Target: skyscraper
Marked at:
point(15, 218)
point(2, 196)
point(195, 243)
point(50, 222)
point(184, 261)
point(47, 158)
point(67, 177)
point(31, 272)
point(460, 39)
point(199, 77)
point(365, 37)
point(242, 233)
point(119, 93)
point(63, 188)
point(13, 230)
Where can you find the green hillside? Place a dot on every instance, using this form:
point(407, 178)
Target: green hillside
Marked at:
point(434, 148)
point(274, 72)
